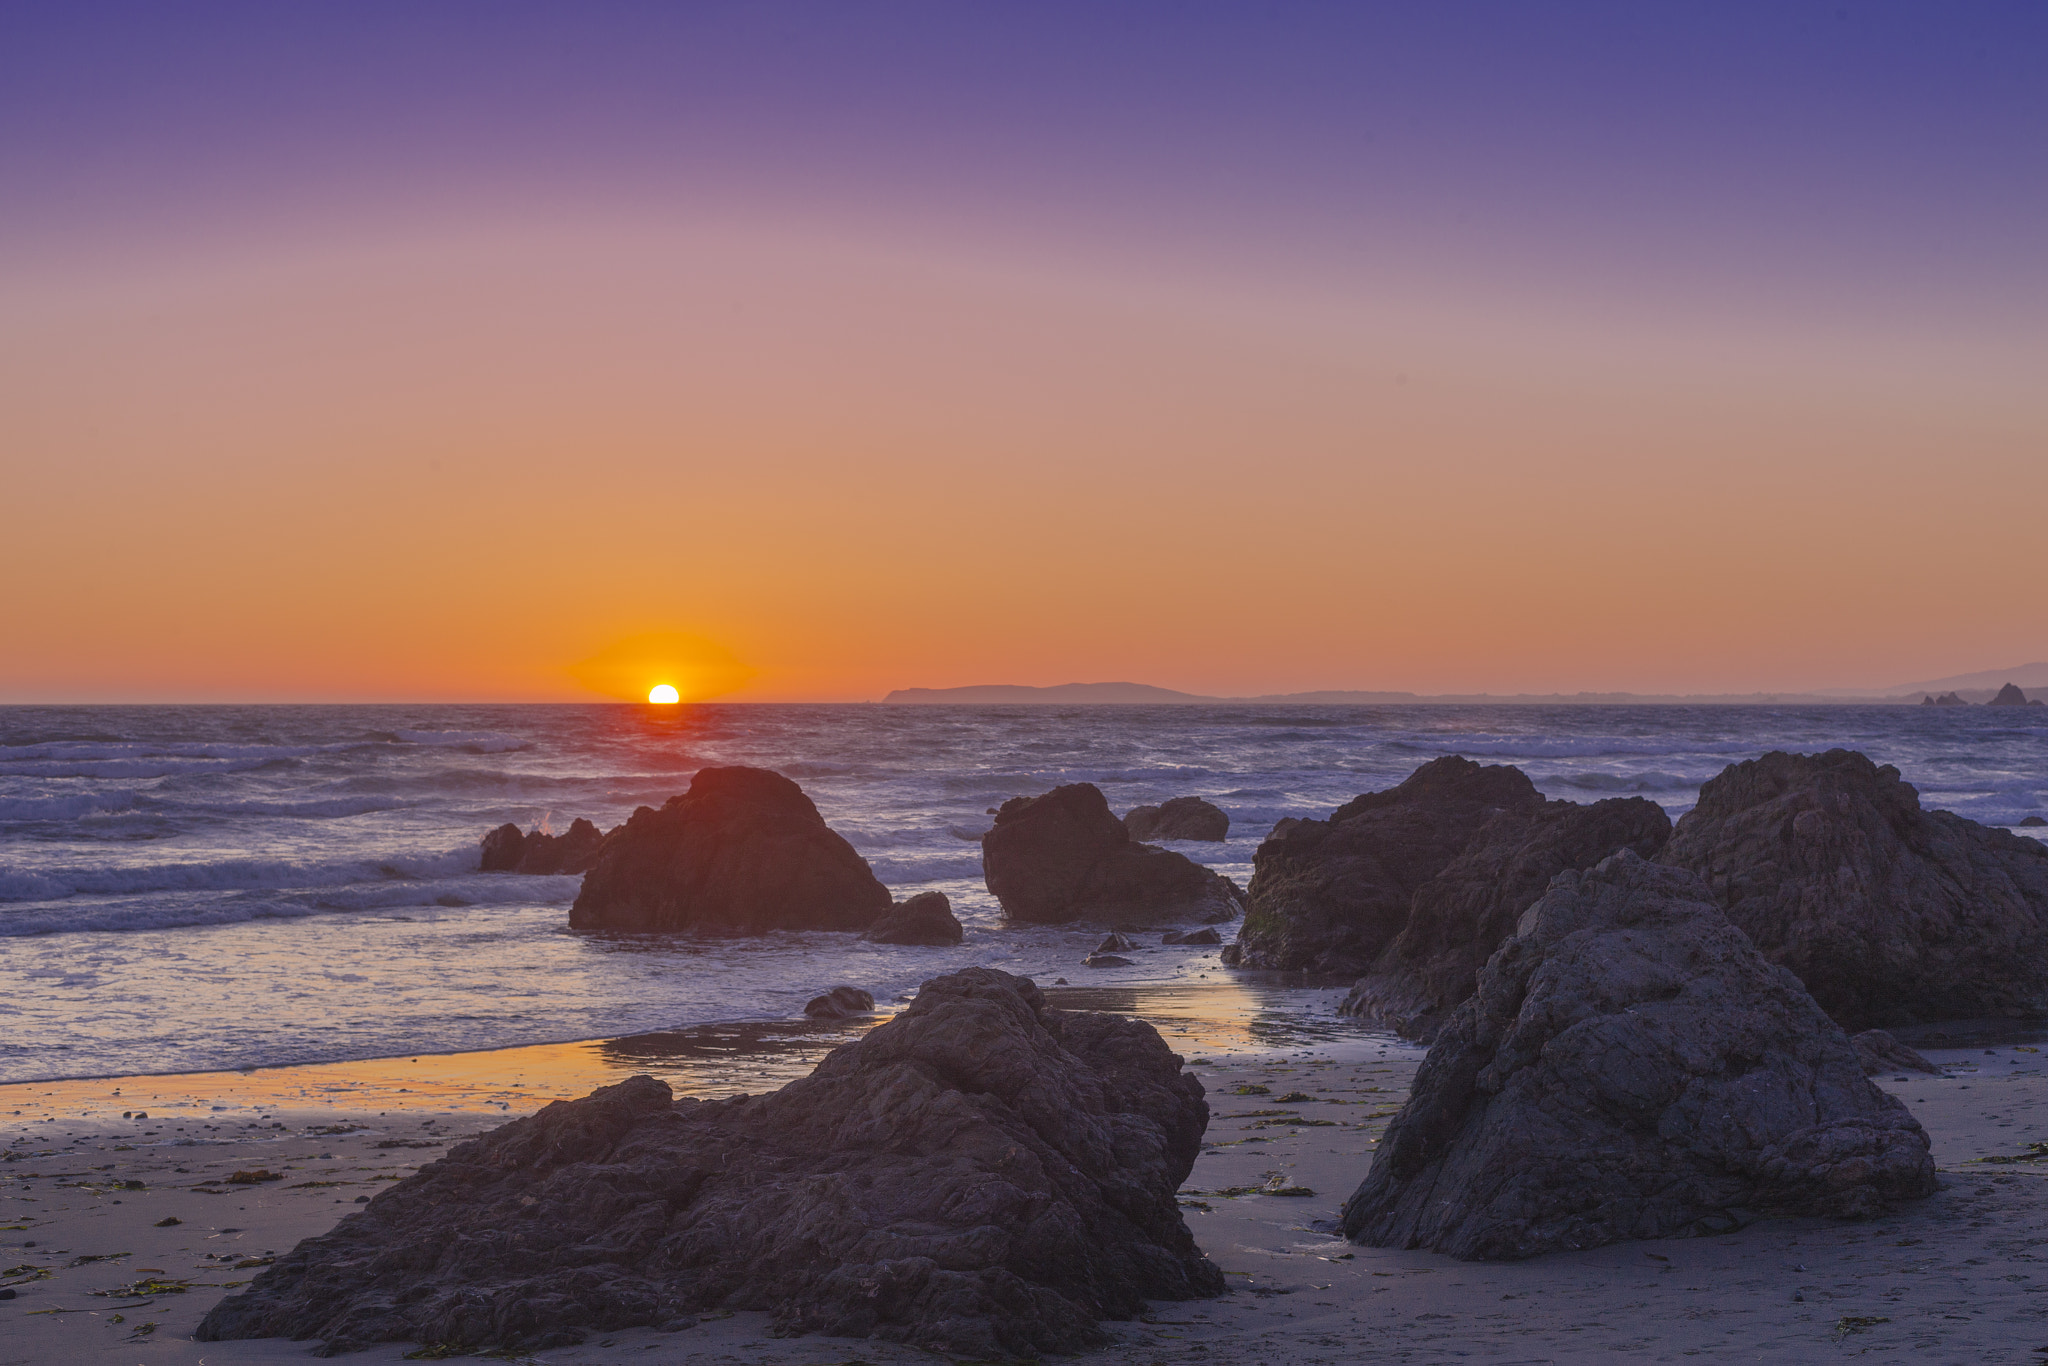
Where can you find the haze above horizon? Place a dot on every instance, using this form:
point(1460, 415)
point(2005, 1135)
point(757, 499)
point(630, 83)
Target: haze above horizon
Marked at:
point(513, 351)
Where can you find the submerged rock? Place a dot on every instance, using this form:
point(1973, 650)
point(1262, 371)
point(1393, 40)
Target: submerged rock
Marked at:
point(1459, 917)
point(1631, 1067)
point(980, 1176)
point(1179, 818)
point(840, 1003)
point(1065, 856)
point(1105, 960)
point(926, 918)
point(1888, 913)
point(742, 852)
point(1880, 1052)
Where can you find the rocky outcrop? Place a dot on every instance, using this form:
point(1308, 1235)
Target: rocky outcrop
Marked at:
point(1179, 818)
point(2033, 822)
point(1880, 1052)
point(507, 850)
point(1947, 699)
point(840, 1003)
point(1332, 895)
point(1065, 856)
point(742, 852)
point(2011, 696)
point(1889, 914)
point(1206, 935)
point(1459, 917)
point(926, 918)
point(1631, 1067)
point(980, 1176)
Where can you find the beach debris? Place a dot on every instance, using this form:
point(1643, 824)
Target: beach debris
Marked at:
point(168, 1221)
point(742, 852)
point(507, 850)
point(1206, 935)
point(1628, 1018)
point(1250, 1088)
point(981, 1175)
point(840, 1003)
point(1178, 818)
point(1857, 1323)
point(1887, 912)
point(926, 918)
point(1880, 1052)
point(1065, 856)
point(255, 1177)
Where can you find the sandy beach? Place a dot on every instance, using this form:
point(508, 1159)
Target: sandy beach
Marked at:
point(117, 1234)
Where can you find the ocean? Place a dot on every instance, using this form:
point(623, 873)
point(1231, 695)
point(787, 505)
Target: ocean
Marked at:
point(200, 888)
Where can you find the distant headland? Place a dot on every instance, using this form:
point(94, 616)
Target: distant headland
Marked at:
point(1997, 686)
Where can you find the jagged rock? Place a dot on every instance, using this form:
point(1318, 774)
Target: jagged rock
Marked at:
point(506, 850)
point(742, 852)
point(1178, 818)
point(1880, 1052)
point(840, 1003)
point(1459, 917)
point(980, 1176)
point(1105, 960)
point(1206, 935)
point(1065, 856)
point(1631, 1067)
point(2011, 696)
point(1947, 699)
point(1116, 943)
point(926, 918)
point(1889, 914)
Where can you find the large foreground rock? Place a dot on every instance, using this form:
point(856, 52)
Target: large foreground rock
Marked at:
point(742, 852)
point(1631, 1067)
point(1889, 914)
point(507, 850)
point(1178, 818)
point(1459, 917)
point(1065, 856)
point(980, 1176)
point(1332, 895)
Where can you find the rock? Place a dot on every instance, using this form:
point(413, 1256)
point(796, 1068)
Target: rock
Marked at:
point(1631, 1067)
point(502, 848)
point(505, 850)
point(840, 1003)
point(1116, 943)
point(1206, 935)
point(1889, 914)
point(1180, 818)
point(980, 1176)
point(2011, 696)
point(926, 918)
point(1105, 960)
point(742, 852)
point(1880, 1052)
point(2033, 821)
point(1947, 699)
point(1459, 917)
point(1065, 856)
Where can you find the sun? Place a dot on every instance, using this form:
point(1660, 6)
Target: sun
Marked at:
point(664, 692)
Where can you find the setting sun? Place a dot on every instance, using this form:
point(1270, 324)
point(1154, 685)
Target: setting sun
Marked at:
point(663, 692)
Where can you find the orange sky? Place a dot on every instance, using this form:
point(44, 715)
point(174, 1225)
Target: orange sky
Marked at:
point(451, 461)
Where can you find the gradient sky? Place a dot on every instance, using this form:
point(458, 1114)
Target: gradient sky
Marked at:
point(453, 351)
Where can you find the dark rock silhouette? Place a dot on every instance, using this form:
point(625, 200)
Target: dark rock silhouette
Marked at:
point(1116, 943)
point(506, 850)
point(1889, 914)
point(1105, 960)
point(742, 852)
point(1631, 1067)
point(980, 1176)
point(2011, 696)
point(1947, 699)
point(840, 1003)
point(926, 918)
point(1180, 818)
point(1459, 917)
point(1206, 935)
point(2033, 821)
point(1880, 1052)
point(1065, 856)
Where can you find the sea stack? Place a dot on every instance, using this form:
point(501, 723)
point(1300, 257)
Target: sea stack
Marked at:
point(1178, 818)
point(1065, 856)
point(980, 1176)
point(1631, 1067)
point(742, 852)
point(507, 850)
point(1889, 914)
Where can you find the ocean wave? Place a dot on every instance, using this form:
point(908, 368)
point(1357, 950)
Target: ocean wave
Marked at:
point(226, 875)
point(170, 766)
point(66, 808)
point(1625, 782)
point(468, 741)
point(136, 915)
point(908, 868)
point(1575, 747)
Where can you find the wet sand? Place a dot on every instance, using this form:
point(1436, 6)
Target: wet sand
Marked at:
point(1951, 1279)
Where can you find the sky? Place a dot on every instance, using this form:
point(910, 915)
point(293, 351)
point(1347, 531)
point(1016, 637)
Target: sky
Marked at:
point(513, 351)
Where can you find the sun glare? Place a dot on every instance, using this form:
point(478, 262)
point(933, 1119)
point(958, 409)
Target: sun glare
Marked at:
point(663, 692)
